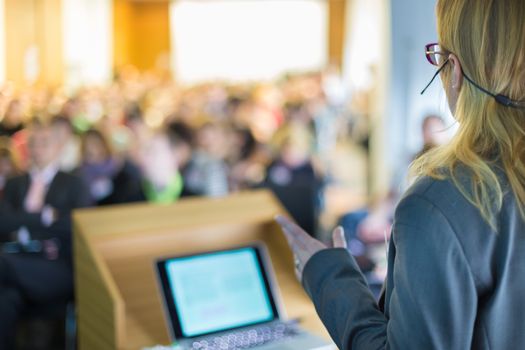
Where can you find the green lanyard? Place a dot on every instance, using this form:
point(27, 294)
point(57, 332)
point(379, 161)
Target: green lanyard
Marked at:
point(166, 196)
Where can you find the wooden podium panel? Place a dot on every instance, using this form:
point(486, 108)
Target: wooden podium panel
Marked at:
point(118, 299)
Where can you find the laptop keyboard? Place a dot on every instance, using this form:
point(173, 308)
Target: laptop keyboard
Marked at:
point(247, 338)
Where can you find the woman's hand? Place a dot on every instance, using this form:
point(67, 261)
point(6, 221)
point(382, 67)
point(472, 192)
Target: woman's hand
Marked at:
point(303, 245)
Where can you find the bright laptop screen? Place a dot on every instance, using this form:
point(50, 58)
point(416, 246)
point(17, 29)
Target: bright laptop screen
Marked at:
point(218, 291)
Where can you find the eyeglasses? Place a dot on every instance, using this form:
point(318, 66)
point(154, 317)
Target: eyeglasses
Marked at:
point(436, 56)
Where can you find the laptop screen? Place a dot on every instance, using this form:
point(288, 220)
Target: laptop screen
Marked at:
point(212, 292)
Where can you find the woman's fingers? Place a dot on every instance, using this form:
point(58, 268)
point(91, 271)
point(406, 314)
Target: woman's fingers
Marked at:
point(338, 237)
point(296, 235)
point(287, 233)
point(302, 244)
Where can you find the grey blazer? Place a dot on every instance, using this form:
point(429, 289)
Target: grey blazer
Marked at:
point(452, 283)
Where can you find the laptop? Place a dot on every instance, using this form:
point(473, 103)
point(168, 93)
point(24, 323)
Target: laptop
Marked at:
point(228, 300)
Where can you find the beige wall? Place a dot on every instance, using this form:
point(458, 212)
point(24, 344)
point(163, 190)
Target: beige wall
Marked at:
point(141, 36)
point(34, 24)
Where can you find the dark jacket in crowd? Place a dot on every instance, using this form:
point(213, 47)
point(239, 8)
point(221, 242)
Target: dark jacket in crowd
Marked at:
point(127, 185)
point(298, 190)
point(453, 282)
point(66, 193)
point(29, 280)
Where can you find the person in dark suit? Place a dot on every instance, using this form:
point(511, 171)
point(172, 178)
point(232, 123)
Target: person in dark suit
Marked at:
point(8, 166)
point(457, 250)
point(292, 177)
point(36, 207)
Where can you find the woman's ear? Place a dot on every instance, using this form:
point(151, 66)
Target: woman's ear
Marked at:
point(453, 82)
point(456, 80)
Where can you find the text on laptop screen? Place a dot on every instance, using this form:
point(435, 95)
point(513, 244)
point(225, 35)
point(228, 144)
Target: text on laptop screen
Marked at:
point(218, 291)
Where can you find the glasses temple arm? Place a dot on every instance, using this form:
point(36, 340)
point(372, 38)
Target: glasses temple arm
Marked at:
point(501, 99)
point(434, 77)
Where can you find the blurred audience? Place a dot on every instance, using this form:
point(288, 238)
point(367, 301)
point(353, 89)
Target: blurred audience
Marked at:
point(220, 136)
point(35, 212)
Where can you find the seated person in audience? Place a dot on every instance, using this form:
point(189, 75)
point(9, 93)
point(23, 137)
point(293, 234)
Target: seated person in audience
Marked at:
point(8, 167)
point(292, 176)
point(19, 142)
point(162, 183)
point(70, 149)
point(138, 131)
point(37, 205)
point(248, 160)
point(110, 180)
point(181, 139)
point(207, 174)
point(293, 165)
point(433, 131)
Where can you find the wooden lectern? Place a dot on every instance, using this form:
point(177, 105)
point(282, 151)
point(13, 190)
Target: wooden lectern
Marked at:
point(117, 296)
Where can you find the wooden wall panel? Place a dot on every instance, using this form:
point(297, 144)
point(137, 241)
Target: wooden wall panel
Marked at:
point(50, 42)
point(34, 23)
point(151, 33)
point(141, 32)
point(336, 31)
point(20, 36)
point(122, 16)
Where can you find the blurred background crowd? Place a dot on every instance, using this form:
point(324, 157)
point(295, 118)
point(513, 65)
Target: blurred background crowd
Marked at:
point(143, 138)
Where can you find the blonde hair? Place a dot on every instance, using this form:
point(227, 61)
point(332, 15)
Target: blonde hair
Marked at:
point(488, 38)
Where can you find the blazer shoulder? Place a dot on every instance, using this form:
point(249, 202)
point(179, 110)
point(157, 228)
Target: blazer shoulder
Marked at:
point(443, 194)
point(434, 203)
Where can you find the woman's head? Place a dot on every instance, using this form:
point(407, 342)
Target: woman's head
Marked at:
point(95, 147)
point(293, 142)
point(483, 42)
point(14, 113)
point(433, 131)
point(159, 159)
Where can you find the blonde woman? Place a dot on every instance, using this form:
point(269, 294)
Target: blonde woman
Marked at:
point(456, 275)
